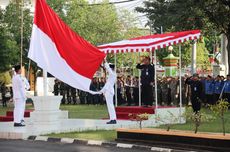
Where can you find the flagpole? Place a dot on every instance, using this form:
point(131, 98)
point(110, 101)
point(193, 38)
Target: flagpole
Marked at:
point(180, 83)
point(139, 81)
point(22, 16)
point(155, 75)
point(115, 63)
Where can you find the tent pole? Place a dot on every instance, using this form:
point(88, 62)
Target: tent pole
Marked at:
point(115, 63)
point(155, 76)
point(139, 81)
point(180, 112)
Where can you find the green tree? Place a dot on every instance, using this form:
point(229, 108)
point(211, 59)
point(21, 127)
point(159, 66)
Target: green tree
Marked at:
point(96, 23)
point(211, 16)
point(12, 19)
point(59, 6)
point(8, 47)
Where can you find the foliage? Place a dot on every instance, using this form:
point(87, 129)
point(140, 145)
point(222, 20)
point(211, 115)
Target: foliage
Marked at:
point(5, 78)
point(219, 109)
point(139, 118)
point(12, 29)
point(211, 16)
point(197, 118)
point(168, 120)
point(96, 23)
point(8, 48)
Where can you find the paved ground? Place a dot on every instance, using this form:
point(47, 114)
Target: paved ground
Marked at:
point(40, 146)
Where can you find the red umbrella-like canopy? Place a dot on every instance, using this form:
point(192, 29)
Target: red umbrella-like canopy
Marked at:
point(150, 42)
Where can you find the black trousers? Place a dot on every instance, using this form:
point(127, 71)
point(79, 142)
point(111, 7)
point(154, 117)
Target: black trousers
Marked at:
point(147, 95)
point(196, 103)
point(209, 99)
point(227, 97)
point(136, 96)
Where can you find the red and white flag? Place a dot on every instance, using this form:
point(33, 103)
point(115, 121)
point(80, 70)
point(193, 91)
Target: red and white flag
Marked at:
point(60, 51)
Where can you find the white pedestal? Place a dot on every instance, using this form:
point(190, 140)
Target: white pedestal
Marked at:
point(47, 111)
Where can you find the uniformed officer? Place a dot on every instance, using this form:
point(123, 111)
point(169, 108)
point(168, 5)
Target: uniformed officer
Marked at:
point(136, 90)
point(63, 92)
point(209, 90)
point(227, 89)
point(128, 90)
point(20, 85)
point(164, 88)
point(101, 97)
point(73, 94)
point(147, 79)
point(218, 86)
point(4, 98)
point(196, 90)
point(108, 91)
point(56, 87)
point(119, 91)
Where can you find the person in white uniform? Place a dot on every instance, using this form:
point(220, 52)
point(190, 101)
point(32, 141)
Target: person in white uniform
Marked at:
point(108, 91)
point(19, 85)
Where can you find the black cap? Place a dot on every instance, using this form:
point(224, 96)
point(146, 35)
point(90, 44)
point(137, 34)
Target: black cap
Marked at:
point(17, 68)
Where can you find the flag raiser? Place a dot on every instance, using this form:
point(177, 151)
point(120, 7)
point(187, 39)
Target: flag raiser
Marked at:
point(60, 51)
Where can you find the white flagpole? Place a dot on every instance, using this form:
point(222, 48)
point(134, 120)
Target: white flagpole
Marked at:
point(22, 20)
point(180, 83)
point(139, 81)
point(115, 58)
point(155, 75)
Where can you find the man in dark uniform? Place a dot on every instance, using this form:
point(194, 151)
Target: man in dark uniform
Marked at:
point(209, 90)
point(147, 79)
point(218, 86)
point(196, 92)
point(136, 90)
point(4, 98)
point(73, 94)
point(227, 89)
point(128, 90)
point(56, 87)
point(63, 92)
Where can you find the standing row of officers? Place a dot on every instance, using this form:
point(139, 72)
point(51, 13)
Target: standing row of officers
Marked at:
point(195, 90)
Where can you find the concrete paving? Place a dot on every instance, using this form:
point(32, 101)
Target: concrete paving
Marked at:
point(8, 131)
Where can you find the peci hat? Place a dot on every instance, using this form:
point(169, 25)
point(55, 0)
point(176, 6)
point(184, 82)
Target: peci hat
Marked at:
point(112, 66)
point(17, 68)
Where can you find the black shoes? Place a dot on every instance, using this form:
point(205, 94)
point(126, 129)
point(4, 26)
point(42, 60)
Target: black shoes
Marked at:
point(19, 125)
point(111, 122)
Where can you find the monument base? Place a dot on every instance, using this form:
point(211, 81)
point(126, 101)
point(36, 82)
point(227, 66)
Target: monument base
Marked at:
point(46, 111)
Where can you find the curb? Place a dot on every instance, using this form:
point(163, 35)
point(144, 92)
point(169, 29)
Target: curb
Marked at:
point(99, 143)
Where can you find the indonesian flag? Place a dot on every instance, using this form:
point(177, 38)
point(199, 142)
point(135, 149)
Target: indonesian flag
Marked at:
point(60, 51)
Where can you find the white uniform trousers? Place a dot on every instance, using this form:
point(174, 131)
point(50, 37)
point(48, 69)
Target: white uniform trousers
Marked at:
point(110, 105)
point(19, 109)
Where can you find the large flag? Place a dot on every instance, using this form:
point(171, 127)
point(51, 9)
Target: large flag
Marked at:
point(60, 51)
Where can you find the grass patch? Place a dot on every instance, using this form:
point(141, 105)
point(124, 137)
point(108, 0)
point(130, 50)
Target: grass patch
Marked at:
point(86, 111)
point(10, 107)
point(212, 126)
point(75, 111)
point(108, 135)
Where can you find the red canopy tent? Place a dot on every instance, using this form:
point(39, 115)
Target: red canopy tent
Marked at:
point(150, 43)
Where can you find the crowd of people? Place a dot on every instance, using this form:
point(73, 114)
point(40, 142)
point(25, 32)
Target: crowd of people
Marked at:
point(167, 90)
